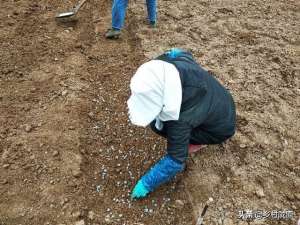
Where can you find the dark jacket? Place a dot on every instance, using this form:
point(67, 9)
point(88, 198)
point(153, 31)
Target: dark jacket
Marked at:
point(207, 114)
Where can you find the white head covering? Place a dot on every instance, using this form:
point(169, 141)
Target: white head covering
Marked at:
point(156, 92)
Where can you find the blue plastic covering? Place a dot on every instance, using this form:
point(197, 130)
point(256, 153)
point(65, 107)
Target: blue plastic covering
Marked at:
point(165, 169)
point(139, 191)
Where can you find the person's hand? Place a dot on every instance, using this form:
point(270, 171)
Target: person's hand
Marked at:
point(139, 191)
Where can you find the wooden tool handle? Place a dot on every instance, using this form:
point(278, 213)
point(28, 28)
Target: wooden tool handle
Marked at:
point(80, 4)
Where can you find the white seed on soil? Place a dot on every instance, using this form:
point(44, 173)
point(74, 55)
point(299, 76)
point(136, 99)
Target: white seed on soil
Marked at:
point(243, 146)
point(98, 188)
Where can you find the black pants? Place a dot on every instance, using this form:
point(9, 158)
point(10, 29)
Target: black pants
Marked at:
point(198, 136)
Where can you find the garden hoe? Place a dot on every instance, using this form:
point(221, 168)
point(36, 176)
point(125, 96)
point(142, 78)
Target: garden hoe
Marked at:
point(72, 12)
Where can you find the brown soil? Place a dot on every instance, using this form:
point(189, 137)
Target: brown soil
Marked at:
point(68, 153)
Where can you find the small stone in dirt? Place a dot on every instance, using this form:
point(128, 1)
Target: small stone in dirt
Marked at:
point(64, 93)
point(6, 166)
point(260, 193)
point(82, 151)
point(91, 115)
point(55, 153)
point(269, 157)
point(28, 128)
point(297, 196)
point(4, 181)
point(76, 214)
point(76, 173)
point(81, 222)
point(91, 215)
point(179, 204)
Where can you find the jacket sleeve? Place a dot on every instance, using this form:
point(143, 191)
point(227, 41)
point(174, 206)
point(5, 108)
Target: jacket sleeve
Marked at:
point(178, 137)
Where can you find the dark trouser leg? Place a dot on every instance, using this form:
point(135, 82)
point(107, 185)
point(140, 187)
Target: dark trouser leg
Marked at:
point(201, 137)
point(118, 13)
point(198, 136)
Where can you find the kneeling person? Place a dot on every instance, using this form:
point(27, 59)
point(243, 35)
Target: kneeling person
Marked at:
point(183, 103)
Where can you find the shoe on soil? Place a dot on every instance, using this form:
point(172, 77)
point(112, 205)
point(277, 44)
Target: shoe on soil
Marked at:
point(113, 33)
point(152, 24)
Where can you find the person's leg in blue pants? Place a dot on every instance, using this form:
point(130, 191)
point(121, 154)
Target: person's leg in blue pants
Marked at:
point(118, 18)
point(151, 8)
point(118, 13)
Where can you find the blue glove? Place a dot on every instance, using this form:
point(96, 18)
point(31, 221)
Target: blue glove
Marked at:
point(160, 173)
point(139, 191)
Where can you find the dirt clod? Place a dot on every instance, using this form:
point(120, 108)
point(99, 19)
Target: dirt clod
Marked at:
point(179, 203)
point(76, 173)
point(28, 127)
point(91, 215)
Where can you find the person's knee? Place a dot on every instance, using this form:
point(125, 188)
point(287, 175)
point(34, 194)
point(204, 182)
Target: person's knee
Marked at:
point(152, 126)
